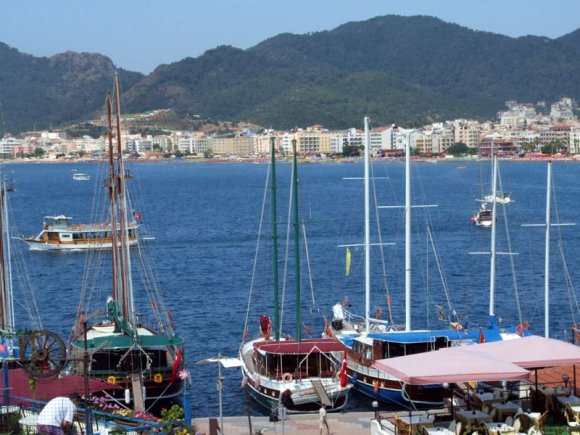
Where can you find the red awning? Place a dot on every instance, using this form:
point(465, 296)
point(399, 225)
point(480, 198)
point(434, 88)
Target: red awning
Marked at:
point(322, 345)
point(48, 389)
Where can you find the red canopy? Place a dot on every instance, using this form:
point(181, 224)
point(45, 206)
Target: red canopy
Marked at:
point(450, 365)
point(322, 345)
point(45, 390)
point(533, 351)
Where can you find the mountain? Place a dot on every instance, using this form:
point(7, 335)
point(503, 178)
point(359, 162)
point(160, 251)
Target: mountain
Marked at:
point(37, 92)
point(403, 70)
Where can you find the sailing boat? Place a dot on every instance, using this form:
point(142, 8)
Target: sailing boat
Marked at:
point(142, 359)
point(371, 341)
point(483, 216)
point(299, 374)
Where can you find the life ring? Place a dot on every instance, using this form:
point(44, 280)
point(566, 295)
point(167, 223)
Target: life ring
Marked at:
point(520, 330)
point(112, 380)
point(287, 377)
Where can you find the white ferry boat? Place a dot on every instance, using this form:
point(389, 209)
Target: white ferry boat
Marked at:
point(58, 235)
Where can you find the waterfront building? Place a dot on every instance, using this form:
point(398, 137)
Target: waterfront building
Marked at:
point(467, 132)
point(574, 139)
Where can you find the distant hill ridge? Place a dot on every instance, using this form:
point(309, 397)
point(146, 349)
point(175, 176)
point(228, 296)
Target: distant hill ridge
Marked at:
point(402, 70)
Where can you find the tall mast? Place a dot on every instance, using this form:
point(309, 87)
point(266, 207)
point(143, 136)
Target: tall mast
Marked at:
point(367, 238)
point(408, 234)
point(493, 230)
point(296, 239)
point(6, 298)
point(275, 242)
point(112, 186)
point(547, 255)
point(125, 266)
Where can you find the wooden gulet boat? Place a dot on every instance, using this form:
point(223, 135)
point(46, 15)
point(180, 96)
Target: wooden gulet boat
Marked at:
point(298, 374)
point(143, 360)
point(58, 234)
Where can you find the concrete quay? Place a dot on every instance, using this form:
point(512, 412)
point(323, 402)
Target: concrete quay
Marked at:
point(347, 423)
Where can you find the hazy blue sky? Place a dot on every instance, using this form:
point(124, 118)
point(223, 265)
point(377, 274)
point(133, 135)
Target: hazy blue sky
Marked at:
point(140, 34)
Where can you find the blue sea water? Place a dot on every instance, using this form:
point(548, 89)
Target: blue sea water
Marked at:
point(205, 221)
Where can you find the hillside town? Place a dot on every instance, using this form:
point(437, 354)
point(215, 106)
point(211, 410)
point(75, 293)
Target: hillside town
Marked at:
point(522, 129)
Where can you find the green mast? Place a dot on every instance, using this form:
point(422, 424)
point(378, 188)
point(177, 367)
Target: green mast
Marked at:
point(295, 224)
point(275, 244)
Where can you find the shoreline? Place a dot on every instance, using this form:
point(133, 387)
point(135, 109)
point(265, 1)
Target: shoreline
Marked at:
point(303, 161)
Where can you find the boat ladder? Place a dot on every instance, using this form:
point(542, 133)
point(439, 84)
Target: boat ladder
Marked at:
point(321, 392)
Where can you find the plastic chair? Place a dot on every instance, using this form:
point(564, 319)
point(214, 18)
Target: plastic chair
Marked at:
point(509, 420)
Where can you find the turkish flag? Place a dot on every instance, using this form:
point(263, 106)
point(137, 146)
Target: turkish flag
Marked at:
point(343, 378)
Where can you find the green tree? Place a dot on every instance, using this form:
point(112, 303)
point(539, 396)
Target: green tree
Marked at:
point(208, 154)
point(457, 149)
point(551, 147)
point(351, 150)
point(38, 153)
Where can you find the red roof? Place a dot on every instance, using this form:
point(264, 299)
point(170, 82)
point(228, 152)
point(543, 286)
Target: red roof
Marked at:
point(47, 389)
point(300, 347)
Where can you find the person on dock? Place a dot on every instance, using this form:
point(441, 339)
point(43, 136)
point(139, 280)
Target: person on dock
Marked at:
point(56, 418)
point(323, 422)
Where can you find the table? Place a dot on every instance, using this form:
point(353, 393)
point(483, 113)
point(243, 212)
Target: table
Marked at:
point(505, 409)
point(547, 395)
point(472, 417)
point(500, 428)
point(411, 424)
point(486, 398)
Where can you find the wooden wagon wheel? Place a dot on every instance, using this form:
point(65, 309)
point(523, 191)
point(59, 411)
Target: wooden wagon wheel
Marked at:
point(42, 354)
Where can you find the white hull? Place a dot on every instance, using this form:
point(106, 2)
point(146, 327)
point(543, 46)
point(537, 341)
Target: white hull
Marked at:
point(37, 245)
point(267, 390)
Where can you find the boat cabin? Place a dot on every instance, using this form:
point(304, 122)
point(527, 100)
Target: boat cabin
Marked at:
point(393, 344)
point(293, 359)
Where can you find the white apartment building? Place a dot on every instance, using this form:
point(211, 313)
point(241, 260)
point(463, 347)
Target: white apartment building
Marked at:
point(574, 142)
point(563, 109)
point(8, 143)
point(518, 115)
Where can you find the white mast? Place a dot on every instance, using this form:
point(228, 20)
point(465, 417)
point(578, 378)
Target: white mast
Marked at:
point(547, 256)
point(408, 234)
point(492, 249)
point(367, 226)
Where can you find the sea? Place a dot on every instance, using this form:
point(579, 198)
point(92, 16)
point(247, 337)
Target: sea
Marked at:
point(206, 218)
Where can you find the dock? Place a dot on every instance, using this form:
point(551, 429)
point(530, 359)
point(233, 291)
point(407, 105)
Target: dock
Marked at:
point(345, 423)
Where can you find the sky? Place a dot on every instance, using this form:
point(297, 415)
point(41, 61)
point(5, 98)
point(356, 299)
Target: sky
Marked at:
point(139, 35)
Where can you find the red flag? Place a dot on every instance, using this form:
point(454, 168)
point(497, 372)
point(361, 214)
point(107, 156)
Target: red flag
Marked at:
point(481, 336)
point(343, 378)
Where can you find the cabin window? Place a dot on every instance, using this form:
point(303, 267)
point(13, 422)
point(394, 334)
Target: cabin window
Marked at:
point(66, 236)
